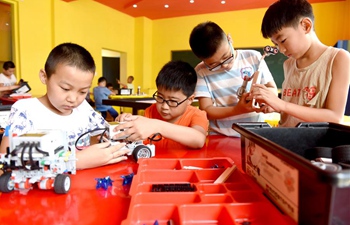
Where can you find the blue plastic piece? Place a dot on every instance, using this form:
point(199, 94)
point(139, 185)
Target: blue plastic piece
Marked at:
point(127, 179)
point(104, 182)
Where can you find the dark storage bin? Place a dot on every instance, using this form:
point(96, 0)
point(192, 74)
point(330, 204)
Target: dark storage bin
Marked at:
point(274, 157)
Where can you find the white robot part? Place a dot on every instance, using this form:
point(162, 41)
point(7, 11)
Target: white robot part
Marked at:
point(46, 140)
point(113, 125)
point(41, 157)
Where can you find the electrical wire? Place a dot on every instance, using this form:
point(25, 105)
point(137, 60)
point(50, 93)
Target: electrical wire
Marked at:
point(88, 132)
point(155, 137)
point(22, 155)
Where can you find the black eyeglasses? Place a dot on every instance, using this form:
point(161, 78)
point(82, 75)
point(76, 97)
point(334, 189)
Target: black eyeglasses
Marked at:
point(226, 61)
point(170, 103)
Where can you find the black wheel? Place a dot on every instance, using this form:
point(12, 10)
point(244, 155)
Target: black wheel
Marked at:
point(341, 154)
point(62, 184)
point(318, 152)
point(141, 151)
point(6, 184)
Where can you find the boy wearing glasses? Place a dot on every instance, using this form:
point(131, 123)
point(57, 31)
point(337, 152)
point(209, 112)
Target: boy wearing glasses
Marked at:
point(221, 74)
point(173, 116)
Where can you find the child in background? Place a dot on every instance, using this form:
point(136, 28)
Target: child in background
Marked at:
point(129, 84)
point(7, 77)
point(221, 74)
point(68, 74)
point(110, 87)
point(89, 100)
point(317, 76)
point(102, 92)
point(172, 115)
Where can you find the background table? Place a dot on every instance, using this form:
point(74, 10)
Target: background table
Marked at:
point(133, 103)
point(84, 204)
point(136, 103)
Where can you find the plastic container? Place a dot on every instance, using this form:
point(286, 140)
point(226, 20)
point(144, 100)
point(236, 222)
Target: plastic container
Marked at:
point(308, 193)
point(233, 202)
point(138, 90)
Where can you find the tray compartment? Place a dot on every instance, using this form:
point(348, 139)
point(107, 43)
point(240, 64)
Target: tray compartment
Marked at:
point(147, 214)
point(205, 214)
point(168, 176)
point(209, 176)
point(166, 197)
point(239, 186)
point(222, 163)
point(216, 198)
point(211, 188)
point(164, 164)
point(246, 196)
point(258, 213)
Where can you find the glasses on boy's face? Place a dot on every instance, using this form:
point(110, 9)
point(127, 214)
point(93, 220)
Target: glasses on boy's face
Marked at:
point(170, 103)
point(226, 61)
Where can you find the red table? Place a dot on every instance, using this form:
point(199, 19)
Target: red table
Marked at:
point(11, 100)
point(84, 204)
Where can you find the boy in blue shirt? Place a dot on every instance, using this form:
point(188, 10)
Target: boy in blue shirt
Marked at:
point(102, 92)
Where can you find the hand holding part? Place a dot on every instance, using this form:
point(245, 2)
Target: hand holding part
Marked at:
point(242, 89)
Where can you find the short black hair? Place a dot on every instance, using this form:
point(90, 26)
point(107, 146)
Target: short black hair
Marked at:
point(101, 79)
point(177, 76)
point(109, 85)
point(206, 38)
point(8, 64)
point(70, 54)
point(131, 77)
point(285, 13)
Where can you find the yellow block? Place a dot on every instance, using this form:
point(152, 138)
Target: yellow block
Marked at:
point(272, 119)
point(346, 120)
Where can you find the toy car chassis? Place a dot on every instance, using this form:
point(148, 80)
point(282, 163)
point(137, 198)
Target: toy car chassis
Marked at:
point(138, 149)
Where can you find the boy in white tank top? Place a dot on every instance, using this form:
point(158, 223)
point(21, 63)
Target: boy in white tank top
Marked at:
point(317, 76)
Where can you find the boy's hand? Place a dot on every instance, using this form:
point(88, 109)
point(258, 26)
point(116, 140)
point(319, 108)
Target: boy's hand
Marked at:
point(245, 104)
point(125, 117)
point(101, 154)
point(264, 109)
point(137, 128)
point(267, 100)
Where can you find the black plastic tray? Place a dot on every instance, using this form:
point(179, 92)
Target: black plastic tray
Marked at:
point(323, 195)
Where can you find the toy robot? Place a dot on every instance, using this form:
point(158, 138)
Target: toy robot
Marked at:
point(138, 149)
point(39, 157)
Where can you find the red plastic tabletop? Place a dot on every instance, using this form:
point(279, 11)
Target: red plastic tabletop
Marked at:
point(85, 204)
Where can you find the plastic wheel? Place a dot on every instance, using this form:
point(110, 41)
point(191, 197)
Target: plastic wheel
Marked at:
point(318, 152)
point(341, 154)
point(141, 151)
point(6, 184)
point(62, 184)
